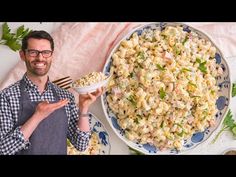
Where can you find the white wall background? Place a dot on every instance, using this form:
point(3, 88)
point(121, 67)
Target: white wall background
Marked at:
point(9, 58)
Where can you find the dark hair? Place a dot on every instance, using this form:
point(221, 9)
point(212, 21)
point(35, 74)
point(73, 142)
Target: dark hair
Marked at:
point(37, 35)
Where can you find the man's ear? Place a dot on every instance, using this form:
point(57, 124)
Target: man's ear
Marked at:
point(22, 55)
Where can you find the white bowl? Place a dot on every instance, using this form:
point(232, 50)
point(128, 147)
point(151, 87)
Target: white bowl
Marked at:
point(93, 87)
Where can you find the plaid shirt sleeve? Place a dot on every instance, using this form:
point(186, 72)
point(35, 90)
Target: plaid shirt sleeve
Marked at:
point(78, 138)
point(11, 139)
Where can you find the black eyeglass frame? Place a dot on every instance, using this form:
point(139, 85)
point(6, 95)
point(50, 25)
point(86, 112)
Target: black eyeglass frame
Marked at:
point(45, 53)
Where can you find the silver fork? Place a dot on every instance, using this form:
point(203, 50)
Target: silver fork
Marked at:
point(64, 82)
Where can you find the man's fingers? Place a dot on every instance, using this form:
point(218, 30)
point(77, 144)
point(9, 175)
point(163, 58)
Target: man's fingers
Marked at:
point(59, 104)
point(98, 92)
point(91, 96)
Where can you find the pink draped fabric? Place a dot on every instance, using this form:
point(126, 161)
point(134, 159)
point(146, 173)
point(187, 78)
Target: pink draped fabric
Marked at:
point(81, 48)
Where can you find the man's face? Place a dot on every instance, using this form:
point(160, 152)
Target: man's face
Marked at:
point(37, 63)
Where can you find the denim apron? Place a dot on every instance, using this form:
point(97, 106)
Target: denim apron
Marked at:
point(50, 135)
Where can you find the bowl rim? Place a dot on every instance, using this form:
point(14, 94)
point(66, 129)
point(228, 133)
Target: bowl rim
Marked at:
point(141, 26)
point(92, 85)
point(96, 118)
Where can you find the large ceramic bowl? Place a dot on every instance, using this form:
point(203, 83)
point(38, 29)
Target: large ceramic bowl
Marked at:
point(102, 147)
point(197, 138)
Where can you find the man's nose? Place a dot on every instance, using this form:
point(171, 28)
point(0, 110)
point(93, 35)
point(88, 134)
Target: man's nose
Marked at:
point(40, 56)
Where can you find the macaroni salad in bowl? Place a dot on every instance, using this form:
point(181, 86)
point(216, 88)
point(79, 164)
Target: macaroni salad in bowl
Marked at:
point(164, 87)
point(90, 82)
point(89, 79)
point(93, 147)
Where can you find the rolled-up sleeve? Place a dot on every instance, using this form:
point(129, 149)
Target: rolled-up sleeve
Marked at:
point(78, 138)
point(11, 138)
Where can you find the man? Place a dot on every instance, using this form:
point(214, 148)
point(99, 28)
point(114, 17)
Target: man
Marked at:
point(36, 116)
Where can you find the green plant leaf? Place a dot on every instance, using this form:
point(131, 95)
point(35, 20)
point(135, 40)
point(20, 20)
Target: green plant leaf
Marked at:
point(228, 124)
point(228, 121)
point(234, 90)
point(19, 31)
point(12, 40)
point(234, 130)
point(13, 44)
point(6, 32)
point(218, 134)
point(24, 33)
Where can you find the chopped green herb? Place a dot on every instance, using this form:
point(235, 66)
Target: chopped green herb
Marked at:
point(132, 100)
point(162, 123)
point(195, 96)
point(137, 119)
point(160, 67)
point(139, 116)
point(202, 66)
point(141, 55)
point(192, 84)
point(198, 60)
point(203, 69)
point(165, 37)
point(131, 75)
point(176, 50)
point(139, 65)
point(162, 93)
point(185, 70)
point(181, 134)
point(68, 142)
point(185, 40)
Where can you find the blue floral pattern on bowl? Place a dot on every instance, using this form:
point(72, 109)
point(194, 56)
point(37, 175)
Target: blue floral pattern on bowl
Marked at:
point(222, 102)
point(99, 129)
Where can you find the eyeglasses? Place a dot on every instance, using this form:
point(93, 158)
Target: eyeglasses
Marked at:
point(35, 53)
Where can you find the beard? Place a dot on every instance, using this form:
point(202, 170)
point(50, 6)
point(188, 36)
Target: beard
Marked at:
point(37, 67)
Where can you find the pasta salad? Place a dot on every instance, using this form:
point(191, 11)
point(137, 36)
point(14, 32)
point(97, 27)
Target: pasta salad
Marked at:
point(163, 86)
point(89, 79)
point(93, 147)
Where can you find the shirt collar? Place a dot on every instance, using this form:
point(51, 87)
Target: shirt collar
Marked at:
point(31, 85)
